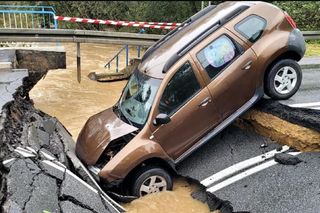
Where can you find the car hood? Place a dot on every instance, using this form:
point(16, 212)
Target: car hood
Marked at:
point(98, 132)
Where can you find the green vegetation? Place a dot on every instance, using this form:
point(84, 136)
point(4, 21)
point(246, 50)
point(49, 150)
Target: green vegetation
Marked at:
point(313, 48)
point(305, 13)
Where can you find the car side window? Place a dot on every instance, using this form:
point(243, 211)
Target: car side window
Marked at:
point(218, 55)
point(181, 88)
point(251, 27)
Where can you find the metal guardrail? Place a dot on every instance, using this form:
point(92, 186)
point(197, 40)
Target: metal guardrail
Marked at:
point(89, 36)
point(311, 35)
point(117, 57)
point(77, 36)
point(14, 16)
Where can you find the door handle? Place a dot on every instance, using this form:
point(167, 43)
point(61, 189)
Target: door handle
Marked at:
point(247, 66)
point(205, 102)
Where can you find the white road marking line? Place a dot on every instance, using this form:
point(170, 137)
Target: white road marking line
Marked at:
point(241, 166)
point(305, 104)
point(245, 174)
point(317, 108)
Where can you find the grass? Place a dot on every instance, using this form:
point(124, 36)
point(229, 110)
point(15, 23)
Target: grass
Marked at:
point(313, 48)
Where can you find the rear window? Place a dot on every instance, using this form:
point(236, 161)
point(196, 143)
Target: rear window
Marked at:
point(251, 27)
point(218, 55)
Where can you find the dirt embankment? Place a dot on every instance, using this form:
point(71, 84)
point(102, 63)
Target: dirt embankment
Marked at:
point(296, 127)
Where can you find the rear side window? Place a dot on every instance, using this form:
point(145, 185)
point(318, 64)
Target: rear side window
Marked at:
point(181, 88)
point(251, 27)
point(217, 55)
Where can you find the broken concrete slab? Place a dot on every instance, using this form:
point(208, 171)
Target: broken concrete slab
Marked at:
point(49, 125)
point(19, 181)
point(74, 188)
point(45, 190)
point(43, 138)
point(69, 207)
point(53, 169)
point(69, 149)
point(41, 59)
point(8, 55)
point(9, 83)
point(12, 207)
point(24, 186)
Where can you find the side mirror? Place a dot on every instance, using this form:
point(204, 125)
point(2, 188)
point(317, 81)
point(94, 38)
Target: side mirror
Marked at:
point(161, 119)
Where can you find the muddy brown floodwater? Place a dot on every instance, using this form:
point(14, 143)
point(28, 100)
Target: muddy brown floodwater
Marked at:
point(61, 96)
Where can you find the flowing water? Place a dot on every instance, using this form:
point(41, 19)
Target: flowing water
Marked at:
point(60, 95)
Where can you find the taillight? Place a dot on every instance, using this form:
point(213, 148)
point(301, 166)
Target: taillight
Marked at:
point(290, 20)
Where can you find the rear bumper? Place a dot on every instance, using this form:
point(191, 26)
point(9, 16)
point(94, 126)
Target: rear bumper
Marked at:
point(297, 43)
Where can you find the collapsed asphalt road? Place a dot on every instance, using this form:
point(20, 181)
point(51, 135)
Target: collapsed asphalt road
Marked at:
point(38, 170)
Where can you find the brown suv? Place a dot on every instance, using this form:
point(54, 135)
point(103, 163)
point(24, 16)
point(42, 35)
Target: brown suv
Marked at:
point(189, 86)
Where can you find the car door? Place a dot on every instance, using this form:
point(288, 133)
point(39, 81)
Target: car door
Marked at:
point(188, 103)
point(229, 66)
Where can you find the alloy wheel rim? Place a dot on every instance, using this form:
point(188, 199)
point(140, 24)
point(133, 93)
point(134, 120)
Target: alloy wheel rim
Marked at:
point(285, 80)
point(153, 184)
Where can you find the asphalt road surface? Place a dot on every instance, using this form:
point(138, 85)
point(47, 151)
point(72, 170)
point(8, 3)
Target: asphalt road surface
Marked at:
point(232, 168)
point(308, 96)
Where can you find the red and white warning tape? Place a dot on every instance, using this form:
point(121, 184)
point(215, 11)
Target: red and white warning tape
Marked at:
point(152, 25)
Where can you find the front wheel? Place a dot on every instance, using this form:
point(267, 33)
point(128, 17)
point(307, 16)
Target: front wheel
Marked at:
point(150, 180)
point(283, 80)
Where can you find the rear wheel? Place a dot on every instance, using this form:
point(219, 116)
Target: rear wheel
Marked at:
point(283, 80)
point(150, 180)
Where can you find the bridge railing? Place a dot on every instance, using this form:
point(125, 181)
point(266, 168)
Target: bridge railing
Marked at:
point(34, 17)
point(116, 58)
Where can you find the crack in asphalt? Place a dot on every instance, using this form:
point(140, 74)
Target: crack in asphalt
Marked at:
point(32, 190)
point(59, 184)
point(76, 202)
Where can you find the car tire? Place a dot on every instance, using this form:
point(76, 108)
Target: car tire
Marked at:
point(150, 179)
point(283, 80)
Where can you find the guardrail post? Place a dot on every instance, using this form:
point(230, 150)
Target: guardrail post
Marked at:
point(78, 63)
point(139, 50)
point(117, 63)
point(127, 55)
point(4, 20)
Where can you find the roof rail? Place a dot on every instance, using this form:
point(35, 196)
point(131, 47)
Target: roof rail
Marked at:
point(171, 33)
point(202, 36)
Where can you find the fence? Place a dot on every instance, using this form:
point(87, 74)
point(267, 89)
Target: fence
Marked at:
point(34, 17)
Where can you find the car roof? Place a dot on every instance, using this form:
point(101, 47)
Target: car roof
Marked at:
point(159, 57)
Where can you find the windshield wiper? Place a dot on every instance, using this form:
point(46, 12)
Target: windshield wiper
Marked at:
point(121, 115)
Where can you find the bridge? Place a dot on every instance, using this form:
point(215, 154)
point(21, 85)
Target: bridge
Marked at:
point(90, 36)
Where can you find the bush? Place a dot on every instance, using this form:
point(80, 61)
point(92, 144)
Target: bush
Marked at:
point(305, 13)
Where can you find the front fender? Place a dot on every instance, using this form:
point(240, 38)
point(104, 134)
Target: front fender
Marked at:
point(133, 154)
